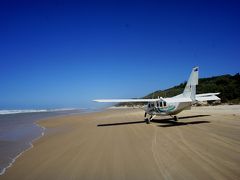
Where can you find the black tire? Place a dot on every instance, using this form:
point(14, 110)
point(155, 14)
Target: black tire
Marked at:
point(175, 118)
point(147, 120)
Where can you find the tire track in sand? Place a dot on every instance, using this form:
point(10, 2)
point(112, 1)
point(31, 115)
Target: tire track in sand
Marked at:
point(160, 165)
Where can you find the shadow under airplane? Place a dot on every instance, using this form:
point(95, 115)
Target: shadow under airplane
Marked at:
point(169, 122)
point(121, 123)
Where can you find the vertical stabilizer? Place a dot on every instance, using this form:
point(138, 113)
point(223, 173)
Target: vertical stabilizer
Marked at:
point(190, 89)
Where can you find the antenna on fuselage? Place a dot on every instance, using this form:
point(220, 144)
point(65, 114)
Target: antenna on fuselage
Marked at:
point(153, 95)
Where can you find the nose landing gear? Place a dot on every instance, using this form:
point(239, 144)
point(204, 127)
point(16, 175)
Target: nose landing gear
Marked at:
point(148, 120)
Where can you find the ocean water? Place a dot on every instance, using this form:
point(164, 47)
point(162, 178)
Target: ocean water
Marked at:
point(18, 129)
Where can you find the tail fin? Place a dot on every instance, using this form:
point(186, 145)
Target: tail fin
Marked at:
point(190, 89)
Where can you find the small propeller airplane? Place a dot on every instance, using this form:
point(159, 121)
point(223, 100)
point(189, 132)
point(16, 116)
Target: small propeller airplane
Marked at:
point(171, 106)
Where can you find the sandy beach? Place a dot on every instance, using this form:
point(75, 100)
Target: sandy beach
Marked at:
point(117, 144)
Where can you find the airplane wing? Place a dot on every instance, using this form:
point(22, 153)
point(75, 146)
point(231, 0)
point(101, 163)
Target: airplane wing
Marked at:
point(168, 100)
point(125, 100)
point(207, 97)
point(199, 97)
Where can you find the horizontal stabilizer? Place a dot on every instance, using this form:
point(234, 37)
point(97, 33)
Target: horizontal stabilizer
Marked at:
point(206, 94)
point(177, 100)
point(207, 97)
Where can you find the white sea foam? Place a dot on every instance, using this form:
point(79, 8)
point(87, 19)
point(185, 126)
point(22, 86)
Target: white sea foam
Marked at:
point(21, 111)
point(16, 111)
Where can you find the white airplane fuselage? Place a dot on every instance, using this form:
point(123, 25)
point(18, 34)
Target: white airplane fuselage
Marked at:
point(166, 109)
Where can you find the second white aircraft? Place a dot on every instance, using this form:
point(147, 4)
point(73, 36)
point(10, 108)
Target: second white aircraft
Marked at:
point(174, 105)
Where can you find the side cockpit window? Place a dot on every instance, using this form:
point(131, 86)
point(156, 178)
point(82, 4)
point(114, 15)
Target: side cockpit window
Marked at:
point(150, 105)
point(164, 103)
point(161, 104)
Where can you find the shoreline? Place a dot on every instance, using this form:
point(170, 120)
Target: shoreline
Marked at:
point(89, 148)
point(25, 150)
point(36, 123)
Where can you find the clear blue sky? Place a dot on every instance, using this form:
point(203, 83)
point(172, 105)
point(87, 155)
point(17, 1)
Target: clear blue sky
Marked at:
point(66, 53)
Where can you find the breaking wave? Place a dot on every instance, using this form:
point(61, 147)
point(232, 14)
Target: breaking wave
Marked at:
point(16, 111)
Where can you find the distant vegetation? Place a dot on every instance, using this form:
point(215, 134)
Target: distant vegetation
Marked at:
point(227, 85)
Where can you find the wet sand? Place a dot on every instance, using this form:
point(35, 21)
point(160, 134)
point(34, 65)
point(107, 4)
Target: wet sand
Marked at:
point(117, 144)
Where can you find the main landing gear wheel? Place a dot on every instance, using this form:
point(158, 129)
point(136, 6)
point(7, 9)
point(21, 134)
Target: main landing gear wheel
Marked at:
point(175, 118)
point(147, 120)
